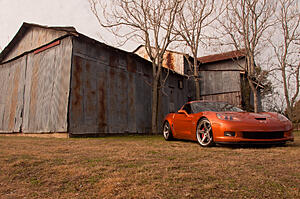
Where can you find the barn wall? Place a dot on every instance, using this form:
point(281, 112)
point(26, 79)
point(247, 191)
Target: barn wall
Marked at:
point(36, 88)
point(111, 92)
point(47, 89)
point(12, 76)
point(105, 95)
point(221, 81)
point(142, 88)
point(32, 39)
point(232, 98)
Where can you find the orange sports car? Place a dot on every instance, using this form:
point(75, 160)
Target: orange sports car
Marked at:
point(222, 123)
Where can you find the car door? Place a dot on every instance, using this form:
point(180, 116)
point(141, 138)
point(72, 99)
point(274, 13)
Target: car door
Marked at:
point(183, 123)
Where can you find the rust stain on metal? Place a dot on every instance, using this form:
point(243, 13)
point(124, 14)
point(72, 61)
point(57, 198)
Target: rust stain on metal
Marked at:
point(131, 91)
point(14, 99)
point(33, 91)
point(122, 92)
point(169, 61)
point(89, 93)
point(131, 65)
point(77, 81)
point(102, 105)
point(112, 73)
point(89, 89)
point(113, 60)
point(122, 77)
point(88, 67)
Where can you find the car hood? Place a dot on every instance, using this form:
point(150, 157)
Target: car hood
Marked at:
point(248, 115)
point(267, 117)
point(262, 121)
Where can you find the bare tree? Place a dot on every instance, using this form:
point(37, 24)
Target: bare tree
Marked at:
point(286, 48)
point(244, 23)
point(274, 102)
point(190, 24)
point(148, 21)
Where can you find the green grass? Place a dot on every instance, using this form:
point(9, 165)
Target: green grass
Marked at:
point(145, 167)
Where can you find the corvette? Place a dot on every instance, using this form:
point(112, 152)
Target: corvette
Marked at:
point(212, 123)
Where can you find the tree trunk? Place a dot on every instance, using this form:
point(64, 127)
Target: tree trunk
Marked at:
point(160, 117)
point(196, 78)
point(289, 108)
point(286, 92)
point(255, 97)
point(197, 87)
point(154, 105)
point(289, 112)
point(251, 69)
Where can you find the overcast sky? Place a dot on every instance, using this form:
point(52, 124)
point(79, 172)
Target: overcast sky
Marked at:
point(74, 13)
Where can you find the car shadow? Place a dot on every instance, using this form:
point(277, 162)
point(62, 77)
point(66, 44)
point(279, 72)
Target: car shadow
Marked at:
point(244, 146)
point(258, 146)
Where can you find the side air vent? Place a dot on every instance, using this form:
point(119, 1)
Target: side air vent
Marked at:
point(260, 118)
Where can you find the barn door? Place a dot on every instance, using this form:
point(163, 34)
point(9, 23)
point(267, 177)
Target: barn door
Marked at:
point(12, 76)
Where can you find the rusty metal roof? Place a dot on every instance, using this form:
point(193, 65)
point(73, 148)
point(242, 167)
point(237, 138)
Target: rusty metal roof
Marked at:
point(237, 54)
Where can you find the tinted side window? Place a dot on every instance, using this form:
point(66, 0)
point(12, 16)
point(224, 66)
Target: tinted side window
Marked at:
point(187, 108)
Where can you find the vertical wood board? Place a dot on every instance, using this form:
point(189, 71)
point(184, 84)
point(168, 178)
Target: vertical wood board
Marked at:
point(12, 76)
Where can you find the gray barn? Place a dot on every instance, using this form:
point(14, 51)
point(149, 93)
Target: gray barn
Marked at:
point(56, 80)
point(222, 78)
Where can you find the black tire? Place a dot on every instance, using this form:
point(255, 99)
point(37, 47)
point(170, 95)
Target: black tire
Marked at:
point(204, 133)
point(167, 132)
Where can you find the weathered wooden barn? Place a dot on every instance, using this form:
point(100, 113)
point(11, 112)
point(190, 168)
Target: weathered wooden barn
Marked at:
point(56, 80)
point(222, 78)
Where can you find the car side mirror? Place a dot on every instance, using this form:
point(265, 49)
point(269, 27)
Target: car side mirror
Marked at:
point(183, 112)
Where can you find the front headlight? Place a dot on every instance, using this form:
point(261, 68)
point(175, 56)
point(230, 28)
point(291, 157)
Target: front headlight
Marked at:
point(226, 116)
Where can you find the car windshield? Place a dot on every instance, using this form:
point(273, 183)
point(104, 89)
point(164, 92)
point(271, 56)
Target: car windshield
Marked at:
point(213, 106)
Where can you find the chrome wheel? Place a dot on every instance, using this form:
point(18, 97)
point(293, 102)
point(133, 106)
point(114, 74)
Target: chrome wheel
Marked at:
point(167, 131)
point(204, 133)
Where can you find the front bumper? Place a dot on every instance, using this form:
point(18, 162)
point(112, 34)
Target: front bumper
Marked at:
point(254, 143)
point(252, 135)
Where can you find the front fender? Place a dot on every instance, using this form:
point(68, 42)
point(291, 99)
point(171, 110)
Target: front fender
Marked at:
point(170, 119)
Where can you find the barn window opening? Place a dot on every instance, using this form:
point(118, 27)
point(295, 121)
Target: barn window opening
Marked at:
point(180, 84)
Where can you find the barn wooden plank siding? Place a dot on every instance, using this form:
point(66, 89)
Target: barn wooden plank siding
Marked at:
point(12, 76)
point(58, 80)
point(222, 78)
point(111, 92)
point(47, 89)
point(220, 81)
point(35, 90)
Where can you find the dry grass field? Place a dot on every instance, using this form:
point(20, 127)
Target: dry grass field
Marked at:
point(145, 167)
